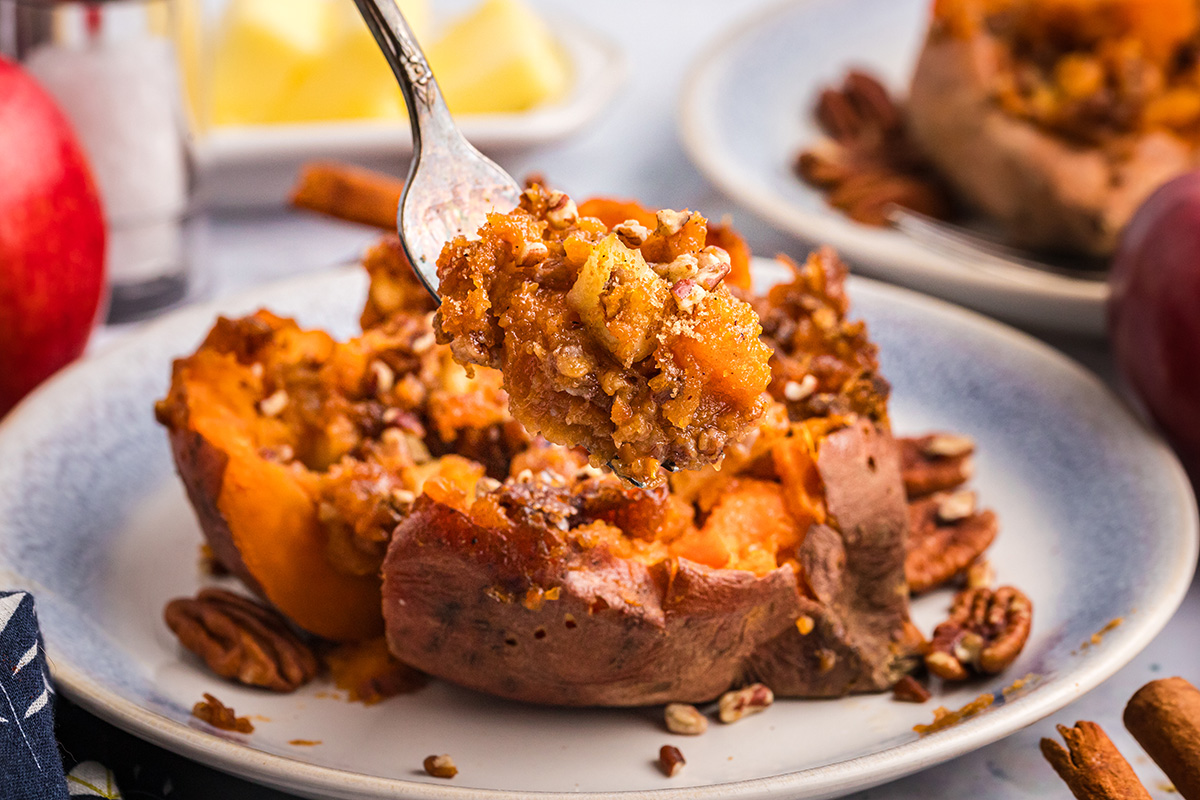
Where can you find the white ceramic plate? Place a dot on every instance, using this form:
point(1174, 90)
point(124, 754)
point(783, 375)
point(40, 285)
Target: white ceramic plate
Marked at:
point(1098, 522)
point(256, 165)
point(747, 111)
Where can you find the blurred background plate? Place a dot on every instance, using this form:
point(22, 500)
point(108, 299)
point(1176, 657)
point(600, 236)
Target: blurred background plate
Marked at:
point(1097, 523)
point(255, 165)
point(746, 113)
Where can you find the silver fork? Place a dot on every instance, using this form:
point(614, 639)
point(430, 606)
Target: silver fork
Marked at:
point(451, 186)
point(962, 243)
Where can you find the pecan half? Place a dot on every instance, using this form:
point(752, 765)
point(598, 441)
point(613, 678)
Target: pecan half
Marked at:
point(860, 108)
point(985, 633)
point(837, 116)
point(873, 102)
point(935, 462)
point(868, 195)
point(869, 164)
point(943, 542)
point(241, 640)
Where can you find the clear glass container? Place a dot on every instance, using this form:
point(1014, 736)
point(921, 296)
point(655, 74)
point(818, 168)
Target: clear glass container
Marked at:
point(114, 67)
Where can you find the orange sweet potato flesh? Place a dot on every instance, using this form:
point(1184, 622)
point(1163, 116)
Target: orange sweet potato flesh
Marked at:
point(301, 454)
point(276, 546)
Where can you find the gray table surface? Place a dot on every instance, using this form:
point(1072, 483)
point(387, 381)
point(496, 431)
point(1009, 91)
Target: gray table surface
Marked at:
point(632, 151)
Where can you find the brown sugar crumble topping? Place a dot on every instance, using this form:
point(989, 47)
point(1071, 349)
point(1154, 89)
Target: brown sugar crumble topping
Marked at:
point(1093, 73)
point(625, 341)
point(221, 716)
point(369, 673)
point(944, 718)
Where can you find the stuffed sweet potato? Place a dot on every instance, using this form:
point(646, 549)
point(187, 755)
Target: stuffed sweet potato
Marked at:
point(562, 586)
point(372, 484)
point(301, 454)
point(1057, 118)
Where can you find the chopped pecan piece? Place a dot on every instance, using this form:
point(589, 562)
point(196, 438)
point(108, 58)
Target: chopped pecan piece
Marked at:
point(739, 703)
point(440, 766)
point(985, 633)
point(945, 537)
point(241, 640)
point(684, 718)
point(910, 690)
point(670, 760)
point(221, 716)
point(936, 462)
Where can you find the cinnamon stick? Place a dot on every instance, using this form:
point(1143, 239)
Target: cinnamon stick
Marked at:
point(1091, 765)
point(349, 193)
point(1164, 716)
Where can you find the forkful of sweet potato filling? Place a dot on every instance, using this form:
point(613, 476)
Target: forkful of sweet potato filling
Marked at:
point(625, 341)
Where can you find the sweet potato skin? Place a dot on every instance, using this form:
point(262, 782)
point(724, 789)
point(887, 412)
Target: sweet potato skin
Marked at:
point(1046, 192)
point(201, 468)
point(619, 633)
point(859, 603)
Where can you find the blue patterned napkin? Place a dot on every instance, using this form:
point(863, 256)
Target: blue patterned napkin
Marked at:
point(31, 767)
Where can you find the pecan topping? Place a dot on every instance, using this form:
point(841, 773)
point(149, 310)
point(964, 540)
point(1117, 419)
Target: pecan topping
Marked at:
point(869, 193)
point(670, 760)
point(943, 542)
point(910, 690)
point(935, 462)
point(868, 164)
point(745, 701)
point(241, 640)
point(985, 633)
point(220, 716)
point(685, 719)
point(440, 766)
point(273, 405)
point(561, 212)
point(980, 575)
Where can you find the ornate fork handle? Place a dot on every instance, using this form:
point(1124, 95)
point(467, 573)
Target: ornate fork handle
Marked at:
point(451, 186)
point(430, 118)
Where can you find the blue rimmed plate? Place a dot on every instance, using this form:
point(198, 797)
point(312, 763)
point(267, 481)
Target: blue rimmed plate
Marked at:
point(746, 112)
point(1097, 522)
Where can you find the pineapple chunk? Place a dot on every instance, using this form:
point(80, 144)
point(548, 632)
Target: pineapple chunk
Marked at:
point(619, 299)
point(500, 58)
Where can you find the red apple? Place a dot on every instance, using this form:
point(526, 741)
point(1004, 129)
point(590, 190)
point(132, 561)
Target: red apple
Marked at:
point(51, 238)
point(1154, 312)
